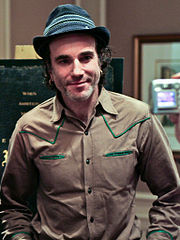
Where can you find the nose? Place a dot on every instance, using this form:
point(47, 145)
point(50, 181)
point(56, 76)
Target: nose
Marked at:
point(77, 68)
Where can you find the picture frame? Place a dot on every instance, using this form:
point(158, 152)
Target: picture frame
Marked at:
point(156, 56)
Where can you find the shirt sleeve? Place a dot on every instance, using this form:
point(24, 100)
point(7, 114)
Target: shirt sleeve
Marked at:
point(18, 183)
point(158, 170)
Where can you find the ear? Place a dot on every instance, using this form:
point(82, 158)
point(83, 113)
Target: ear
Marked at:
point(51, 79)
point(49, 70)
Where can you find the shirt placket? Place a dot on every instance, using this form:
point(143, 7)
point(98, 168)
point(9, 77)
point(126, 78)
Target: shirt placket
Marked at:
point(88, 181)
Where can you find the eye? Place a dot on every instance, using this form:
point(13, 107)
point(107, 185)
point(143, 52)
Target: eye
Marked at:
point(86, 58)
point(63, 61)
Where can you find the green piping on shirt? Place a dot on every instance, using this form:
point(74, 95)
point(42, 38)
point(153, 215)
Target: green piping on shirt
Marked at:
point(52, 142)
point(20, 233)
point(116, 136)
point(52, 157)
point(114, 154)
point(162, 231)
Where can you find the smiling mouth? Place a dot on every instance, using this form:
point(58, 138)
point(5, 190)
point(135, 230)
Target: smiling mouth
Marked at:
point(79, 82)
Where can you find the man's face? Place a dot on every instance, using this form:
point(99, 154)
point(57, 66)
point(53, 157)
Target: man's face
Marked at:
point(75, 66)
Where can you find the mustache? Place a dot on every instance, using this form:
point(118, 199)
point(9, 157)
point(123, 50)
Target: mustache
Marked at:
point(79, 81)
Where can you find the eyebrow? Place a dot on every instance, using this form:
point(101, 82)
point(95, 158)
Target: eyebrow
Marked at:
point(61, 57)
point(64, 56)
point(87, 53)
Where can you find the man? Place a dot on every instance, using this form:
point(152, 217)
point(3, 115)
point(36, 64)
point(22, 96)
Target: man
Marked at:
point(84, 150)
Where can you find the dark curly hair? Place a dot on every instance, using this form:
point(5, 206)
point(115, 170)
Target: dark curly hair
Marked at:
point(104, 55)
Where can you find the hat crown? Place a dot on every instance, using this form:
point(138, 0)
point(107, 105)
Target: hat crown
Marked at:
point(64, 15)
point(66, 9)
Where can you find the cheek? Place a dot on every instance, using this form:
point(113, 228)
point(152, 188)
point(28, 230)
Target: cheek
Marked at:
point(98, 76)
point(93, 69)
point(58, 80)
point(97, 73)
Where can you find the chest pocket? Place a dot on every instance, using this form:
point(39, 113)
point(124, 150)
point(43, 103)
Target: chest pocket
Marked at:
point(115, 169)
point(59, 172)
point(115, 154)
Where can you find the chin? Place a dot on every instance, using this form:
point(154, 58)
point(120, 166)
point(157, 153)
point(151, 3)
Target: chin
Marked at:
point(81, 96)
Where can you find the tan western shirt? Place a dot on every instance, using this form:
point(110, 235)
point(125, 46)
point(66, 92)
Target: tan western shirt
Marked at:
point(86, 176)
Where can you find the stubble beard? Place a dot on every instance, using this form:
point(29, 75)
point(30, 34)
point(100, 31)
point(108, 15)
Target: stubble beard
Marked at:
point(81, 96)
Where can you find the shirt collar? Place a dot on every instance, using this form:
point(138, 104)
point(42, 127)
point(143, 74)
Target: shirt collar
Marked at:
point(57, 109)
point(104, 100)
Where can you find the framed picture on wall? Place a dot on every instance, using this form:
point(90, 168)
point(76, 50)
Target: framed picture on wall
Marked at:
point(156, 56)
point(165, 68)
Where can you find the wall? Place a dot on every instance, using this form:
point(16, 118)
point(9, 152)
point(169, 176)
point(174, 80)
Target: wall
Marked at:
point(127, 18)
point(28, 19)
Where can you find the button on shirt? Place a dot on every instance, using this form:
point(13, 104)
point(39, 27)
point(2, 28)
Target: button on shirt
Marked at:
point(86, 176)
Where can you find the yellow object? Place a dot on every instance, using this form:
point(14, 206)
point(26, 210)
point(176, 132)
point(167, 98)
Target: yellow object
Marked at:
point(25, 52)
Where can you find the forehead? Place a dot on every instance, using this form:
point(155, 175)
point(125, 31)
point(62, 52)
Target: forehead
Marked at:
point(72, 42)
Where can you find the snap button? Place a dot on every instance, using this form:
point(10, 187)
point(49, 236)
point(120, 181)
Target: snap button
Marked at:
point(86, 133)
point(88, 161)
point(89, 190)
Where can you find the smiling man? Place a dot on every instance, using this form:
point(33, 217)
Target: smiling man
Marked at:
point(83, 151)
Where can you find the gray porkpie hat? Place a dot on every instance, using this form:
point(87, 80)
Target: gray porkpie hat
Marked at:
point(69, 18)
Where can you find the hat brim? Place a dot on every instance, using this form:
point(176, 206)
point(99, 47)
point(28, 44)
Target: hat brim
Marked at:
point(40, 43)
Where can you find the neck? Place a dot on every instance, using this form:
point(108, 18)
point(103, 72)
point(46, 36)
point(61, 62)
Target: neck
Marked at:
point(83, 110)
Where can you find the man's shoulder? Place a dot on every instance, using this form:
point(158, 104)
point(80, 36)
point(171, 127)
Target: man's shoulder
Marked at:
point(127, 112)
point(41, 112)
point(128, 105)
